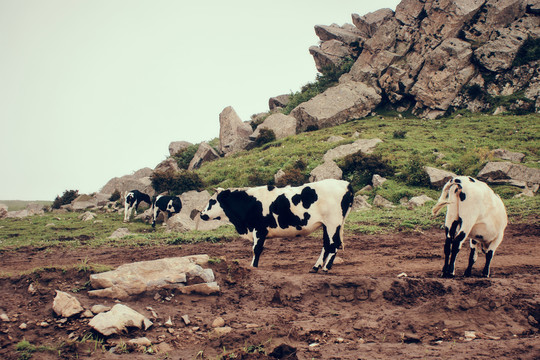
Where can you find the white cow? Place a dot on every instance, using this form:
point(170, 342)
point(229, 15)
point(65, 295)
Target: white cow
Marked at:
point(474, 212)
point(267, 211)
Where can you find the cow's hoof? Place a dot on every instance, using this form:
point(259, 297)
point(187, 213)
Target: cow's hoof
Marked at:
point(314, 270)
point(447, 276)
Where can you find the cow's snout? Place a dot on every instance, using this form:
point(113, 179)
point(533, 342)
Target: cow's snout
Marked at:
point(205, 217)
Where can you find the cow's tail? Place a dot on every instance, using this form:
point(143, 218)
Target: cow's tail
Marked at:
point(444, 199)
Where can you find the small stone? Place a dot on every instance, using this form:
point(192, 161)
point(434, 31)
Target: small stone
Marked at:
point(221, 331)
point(168, 323)
point(44, 324)
point(98, 309)
point(142, 341)
point(87, 314)
point(470, 335)
point(4, 317)
point(23, 326)
point(186, 320)
point(218, 322)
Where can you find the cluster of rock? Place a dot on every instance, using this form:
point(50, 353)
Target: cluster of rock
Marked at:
point(426, 54)
point(134, 279)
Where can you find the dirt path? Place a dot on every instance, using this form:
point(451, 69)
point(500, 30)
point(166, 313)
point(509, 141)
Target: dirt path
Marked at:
point(360, 310)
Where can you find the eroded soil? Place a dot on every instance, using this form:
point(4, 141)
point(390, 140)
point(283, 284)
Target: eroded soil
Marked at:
point(361, 309)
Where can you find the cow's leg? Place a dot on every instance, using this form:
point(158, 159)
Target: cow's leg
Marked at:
point(331, 249)
point(156, 213)
point(324, 252)
point(457, 242)
point(137, 206)
point(258, 246)
point(490, 253)
point(473, 256)
point(166, 216)
point(452, 229)
point(127, 211)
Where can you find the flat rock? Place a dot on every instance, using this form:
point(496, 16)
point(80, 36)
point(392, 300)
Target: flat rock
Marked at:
point(118, 320)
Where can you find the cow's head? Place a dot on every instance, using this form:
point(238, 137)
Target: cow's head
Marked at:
point(174, 205)
point(213, 210)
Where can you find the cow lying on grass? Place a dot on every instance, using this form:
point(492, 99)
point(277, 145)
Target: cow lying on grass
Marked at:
point(169, 205)
point(474, 212)
point(132, 200)
point(267, 211)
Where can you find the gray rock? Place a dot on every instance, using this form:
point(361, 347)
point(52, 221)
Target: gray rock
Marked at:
point(87, 216)
point(418, 201)
point(279, 101)
point(507, 155)
point(367, 146)
point(338, 104)
point(360, 203)
point(377, 180)
point(233, 133)
point(205, 153)
point(66, 305)
point(167, 165)
point(139, 180)
point(176, 146)
point(327, 170)
point(136, 278)
point(193, 202)
point(379, 201)
point(507, 172)
point(282, 126)
point(438, 177)
point(120, 233)
point(83, 202)
point(118, 320)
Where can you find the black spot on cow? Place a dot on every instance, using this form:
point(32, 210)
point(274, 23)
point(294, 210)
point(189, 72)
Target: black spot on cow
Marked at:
point(479, 237)
point(308, 196)
point(474, 242)
point(285, 218)
point(471, 179)
point(347, 200)
point(454, 227)
point(245, 212)
point(271, 187)
point(462, 196)
point(457, 181)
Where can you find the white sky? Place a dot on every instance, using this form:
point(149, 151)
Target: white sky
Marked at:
point(91, 90)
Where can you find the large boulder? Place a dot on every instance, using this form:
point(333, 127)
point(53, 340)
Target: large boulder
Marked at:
point(168, 165)
point(367, 146)
point(136, 278)
point(139, 180)
point(83, 202)
point(438, 177)
point(118, 320)
point(278, 102)
point(507, 172)
point(338, 104)
point(205, 153)
point(193, 202)
point(282, 125)
point(233, 133)
point(327, 170)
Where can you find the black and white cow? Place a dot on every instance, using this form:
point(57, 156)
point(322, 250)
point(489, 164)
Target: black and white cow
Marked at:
point(267, 211)
point(132, 200)
point(169, 205)
point(474, 212)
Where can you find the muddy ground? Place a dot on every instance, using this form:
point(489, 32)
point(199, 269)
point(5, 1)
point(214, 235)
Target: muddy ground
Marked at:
point(360, 310)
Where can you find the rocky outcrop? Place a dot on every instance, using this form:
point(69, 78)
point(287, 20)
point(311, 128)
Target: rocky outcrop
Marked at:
point(438, 177)
point(327, 170)
point(167, 165)
point(367, 146)
point(427, 54)
point(278, 102)
point(233, 133)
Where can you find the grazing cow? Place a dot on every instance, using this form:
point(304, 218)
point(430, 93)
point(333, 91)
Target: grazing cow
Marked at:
point(169, 205)
point(132, 200)
point(267, 211)
point(474, 212)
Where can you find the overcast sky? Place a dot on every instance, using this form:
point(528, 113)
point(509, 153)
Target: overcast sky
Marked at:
point(91, 90)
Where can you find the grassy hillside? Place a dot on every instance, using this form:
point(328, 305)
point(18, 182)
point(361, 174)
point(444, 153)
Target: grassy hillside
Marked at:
point(14, 205)
point(460, 144)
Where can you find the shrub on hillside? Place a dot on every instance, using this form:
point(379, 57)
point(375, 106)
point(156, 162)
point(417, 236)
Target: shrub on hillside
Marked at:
point(184, 156)
point(176, 183)
point(115, 195)
point(265, 136)
point(67, 197)
point(414, 173)
point(293, 177)
point(359, 168)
